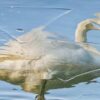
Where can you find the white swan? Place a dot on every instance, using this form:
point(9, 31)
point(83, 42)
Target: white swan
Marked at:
point(40, 57)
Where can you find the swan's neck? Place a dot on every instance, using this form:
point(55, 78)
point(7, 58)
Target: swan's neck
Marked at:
point(81, 35)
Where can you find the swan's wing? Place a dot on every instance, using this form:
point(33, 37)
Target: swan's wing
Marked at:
point(28, 46)
point(38, 35)
point(32, 45)
point(4, 57)
point(33, 35)
point(31, 41)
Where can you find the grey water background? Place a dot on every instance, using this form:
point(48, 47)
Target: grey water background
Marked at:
point(27, 14)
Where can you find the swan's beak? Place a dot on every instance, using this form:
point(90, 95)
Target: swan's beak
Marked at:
point(95, 26)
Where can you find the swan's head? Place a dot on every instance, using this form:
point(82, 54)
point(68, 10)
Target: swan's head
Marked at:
point(84, 26)
point(92, 26)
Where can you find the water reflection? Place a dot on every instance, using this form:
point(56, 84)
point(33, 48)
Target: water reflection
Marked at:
point(30, 85)
point(10, 94)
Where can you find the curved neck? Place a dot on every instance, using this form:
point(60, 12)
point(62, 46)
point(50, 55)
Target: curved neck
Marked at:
point(81, 34)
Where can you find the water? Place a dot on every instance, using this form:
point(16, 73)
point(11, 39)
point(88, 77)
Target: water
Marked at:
point(18, 17)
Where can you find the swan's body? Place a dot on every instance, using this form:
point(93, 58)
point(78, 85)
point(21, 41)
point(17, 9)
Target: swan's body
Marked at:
point(46, 56)
point(40, 57)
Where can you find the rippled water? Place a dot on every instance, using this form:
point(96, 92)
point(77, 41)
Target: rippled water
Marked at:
point(60, 91)
point(19, 16)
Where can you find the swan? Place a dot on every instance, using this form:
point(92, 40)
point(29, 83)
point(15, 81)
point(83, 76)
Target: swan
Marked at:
point(46, 59)
point(40, 58)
